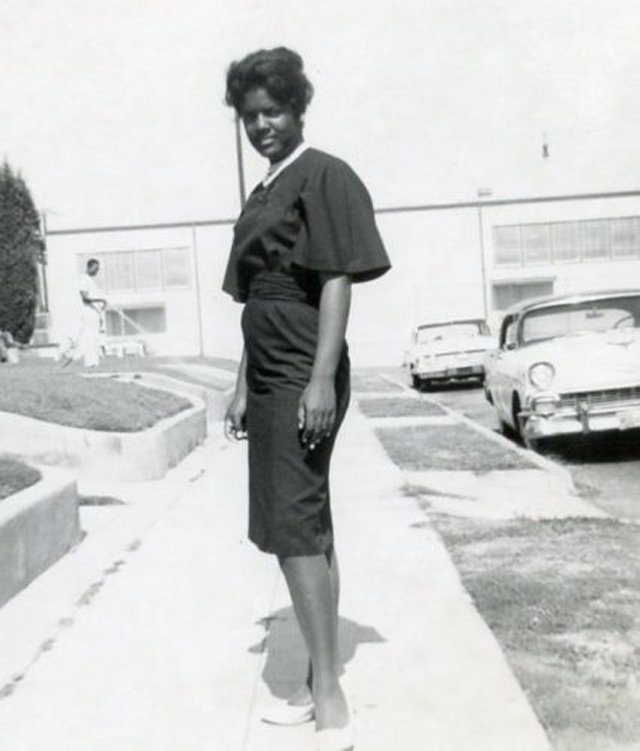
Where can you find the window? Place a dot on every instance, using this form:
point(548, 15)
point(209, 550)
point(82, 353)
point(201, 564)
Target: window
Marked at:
point(82, 259)
point(119, 272)
point(509, 293)
point(536, 244)
point(564, 241)
point(136, 321)
point(148, 269)
point(583, 240)
point(510, 337)
point(141, 270)
point(595, 239)
point(624, 237)
point(177, 268)
point(506, 246)
point(588, 316)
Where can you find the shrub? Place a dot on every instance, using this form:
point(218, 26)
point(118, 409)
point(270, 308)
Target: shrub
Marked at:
point(6, 341)
point(21, 247)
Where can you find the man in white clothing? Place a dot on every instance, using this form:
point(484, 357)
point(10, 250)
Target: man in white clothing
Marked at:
point(93, 306)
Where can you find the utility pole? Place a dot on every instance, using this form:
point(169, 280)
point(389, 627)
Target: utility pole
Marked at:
point(483, 193)
point(196, 273)
point(43, 266)
point(241, 183)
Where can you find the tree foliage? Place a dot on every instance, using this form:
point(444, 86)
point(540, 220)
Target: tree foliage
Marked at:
point(21, 247)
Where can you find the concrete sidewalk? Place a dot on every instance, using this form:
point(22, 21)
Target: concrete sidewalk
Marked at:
point(167, 630)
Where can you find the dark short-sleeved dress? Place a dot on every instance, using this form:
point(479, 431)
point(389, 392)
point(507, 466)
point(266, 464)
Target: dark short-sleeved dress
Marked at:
point(316, 216)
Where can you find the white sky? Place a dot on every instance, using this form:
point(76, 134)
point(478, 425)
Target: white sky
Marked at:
point(113, 109)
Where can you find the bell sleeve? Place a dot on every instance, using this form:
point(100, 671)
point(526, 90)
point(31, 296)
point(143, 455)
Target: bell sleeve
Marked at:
point(339, 233)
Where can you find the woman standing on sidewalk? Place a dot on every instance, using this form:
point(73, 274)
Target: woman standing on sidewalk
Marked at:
point(306, 233)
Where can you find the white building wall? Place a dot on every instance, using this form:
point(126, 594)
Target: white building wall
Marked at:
point(220, 314)
point(65, 253)
point(566, 277)
point(437, 255)
point(435, 276)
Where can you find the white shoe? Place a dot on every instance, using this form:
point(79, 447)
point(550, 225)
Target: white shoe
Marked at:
point(285, 713)
point(336, 739)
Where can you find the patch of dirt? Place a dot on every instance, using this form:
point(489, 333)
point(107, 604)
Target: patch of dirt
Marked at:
point(586, 491)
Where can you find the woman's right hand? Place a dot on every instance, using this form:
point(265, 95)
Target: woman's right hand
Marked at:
point(235, 426)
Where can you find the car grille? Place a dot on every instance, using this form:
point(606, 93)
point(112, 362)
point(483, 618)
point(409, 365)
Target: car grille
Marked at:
point(606, 397)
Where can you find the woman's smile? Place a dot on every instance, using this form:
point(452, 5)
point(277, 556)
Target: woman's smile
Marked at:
point(271, 127)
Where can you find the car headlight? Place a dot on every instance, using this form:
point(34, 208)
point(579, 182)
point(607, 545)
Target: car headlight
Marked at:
point(542, 374)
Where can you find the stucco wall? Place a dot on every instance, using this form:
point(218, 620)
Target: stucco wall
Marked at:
point(437, 275)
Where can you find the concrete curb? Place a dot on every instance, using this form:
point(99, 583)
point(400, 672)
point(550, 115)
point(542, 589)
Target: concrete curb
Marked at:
point(38, 526)
point(214, 399)
point(561, 473)
point(43, 613)
point(113, 456)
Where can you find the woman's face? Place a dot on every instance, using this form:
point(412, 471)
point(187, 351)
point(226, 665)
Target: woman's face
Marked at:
point(271, 127)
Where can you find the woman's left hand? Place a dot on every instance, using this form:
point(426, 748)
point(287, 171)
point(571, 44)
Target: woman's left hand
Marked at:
point(317, 411)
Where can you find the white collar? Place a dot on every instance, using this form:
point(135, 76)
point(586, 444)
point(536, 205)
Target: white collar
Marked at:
point(276, 168)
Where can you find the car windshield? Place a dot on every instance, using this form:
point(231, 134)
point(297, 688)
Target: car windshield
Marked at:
point(448, 330)
point(584, 317)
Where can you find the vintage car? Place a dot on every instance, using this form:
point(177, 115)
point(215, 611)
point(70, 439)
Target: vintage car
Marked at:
point(567, 365)
point(453, 350)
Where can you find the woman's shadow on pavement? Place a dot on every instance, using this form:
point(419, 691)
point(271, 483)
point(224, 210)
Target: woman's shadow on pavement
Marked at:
point(286, 655)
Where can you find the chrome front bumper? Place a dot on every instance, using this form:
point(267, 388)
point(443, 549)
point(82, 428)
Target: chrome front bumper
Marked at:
point(461, 371)
point(581, 419)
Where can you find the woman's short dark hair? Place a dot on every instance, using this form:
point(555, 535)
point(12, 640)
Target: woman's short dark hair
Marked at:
point(279, 71)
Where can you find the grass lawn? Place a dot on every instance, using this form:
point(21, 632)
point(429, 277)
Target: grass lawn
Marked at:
point(15, 476)
point(400, 406)
point(173, 366)
point(447, 447)
point(170, 366)
point(562, 598)
point(46, 392)
point(370, 381)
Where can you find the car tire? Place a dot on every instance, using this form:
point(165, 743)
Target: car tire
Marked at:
point(507, 431)
point(518, 422)
point(528, 442)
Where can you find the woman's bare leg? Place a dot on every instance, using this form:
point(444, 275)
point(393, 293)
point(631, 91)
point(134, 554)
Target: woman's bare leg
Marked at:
point(304, 694)
point(313, 583)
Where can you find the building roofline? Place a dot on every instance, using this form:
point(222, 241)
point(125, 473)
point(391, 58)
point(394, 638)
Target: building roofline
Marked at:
point(483, 203)
point(139, 227)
